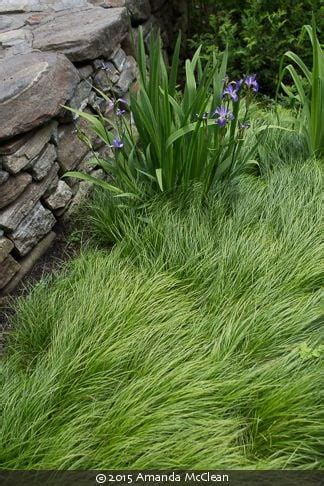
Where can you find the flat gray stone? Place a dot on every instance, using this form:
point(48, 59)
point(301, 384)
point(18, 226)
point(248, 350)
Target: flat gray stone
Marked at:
point(32, 229)
point(119, 59)
point(5, 248)
point(10, 6)
point(85, 71)
point(12, 189)
point(59, 5)
point(32, 147)
point(11, 146)
point(8, 268)
point(12, 22)
point(42, 165)
point(15, 37)
point(108, 3)
point(127, 76)
point(81, 95)
point(70, 149)
point(12, 215)
point(60, 197)
point(33, 88)
point(82, 34)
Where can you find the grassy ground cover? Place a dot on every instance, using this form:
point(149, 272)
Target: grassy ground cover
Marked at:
point(195, 343)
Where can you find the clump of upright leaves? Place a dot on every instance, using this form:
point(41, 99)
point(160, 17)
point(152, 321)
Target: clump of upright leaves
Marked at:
point(194, 135)
point(309, 92)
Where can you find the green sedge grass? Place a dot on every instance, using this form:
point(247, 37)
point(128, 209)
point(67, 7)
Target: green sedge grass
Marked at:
point(195, 343)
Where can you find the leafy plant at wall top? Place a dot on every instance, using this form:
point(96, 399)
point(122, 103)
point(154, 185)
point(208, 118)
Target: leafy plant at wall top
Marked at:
point(309, 92)
point(258, 32)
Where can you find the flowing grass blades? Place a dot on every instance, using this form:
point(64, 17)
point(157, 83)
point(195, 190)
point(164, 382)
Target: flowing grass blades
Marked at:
point(194, 344)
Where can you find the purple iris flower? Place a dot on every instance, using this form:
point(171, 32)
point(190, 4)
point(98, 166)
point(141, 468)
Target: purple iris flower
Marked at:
point(117, 144)
point(224, 115)
point(251, 82)
point(238, 84)
point(231, 92)
point(120, 112)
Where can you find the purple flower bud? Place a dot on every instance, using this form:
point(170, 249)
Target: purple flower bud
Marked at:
point(251, 82)
point(224, 115)
point(117, 144)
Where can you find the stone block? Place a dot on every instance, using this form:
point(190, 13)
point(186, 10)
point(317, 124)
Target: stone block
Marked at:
point(11, 190)
point(118, 59)
point(42, 165)
point(85, 71)
point(32, 229)
point(8, 268)
point(34, 86)
point(81, 96)
point(12, 215)
point(70, 149)
point(60, 197)
point(127, 76)
point(32, 147)
point(6, 246)
point(82, 34)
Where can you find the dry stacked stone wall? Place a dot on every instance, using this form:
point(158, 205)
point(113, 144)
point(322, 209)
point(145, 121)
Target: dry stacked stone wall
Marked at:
point(54, 53)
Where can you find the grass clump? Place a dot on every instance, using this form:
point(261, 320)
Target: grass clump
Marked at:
point(196, 343)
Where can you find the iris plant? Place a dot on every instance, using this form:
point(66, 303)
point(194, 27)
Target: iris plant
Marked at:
point(180, 137)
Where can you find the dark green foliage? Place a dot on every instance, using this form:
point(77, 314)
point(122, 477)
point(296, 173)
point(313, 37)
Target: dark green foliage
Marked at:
point(258, 33)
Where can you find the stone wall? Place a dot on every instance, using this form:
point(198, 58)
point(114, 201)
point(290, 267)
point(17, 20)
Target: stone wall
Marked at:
point(54, 53)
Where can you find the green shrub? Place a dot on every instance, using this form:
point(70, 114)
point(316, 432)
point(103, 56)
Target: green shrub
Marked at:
point(194, 344)
point(309, 93)
point(194, 136)
point(258, 33)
